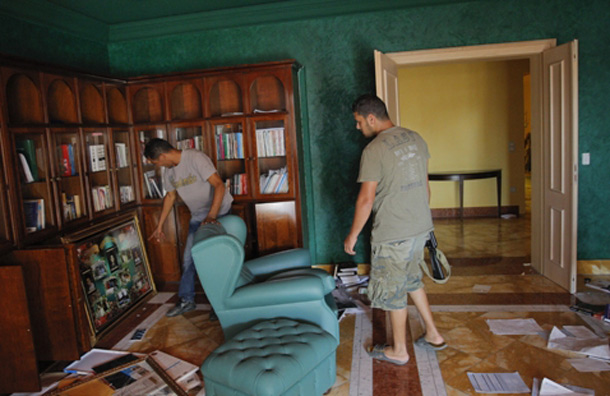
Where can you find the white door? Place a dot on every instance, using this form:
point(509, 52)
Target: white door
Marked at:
point(386, 80)
point(560, 164)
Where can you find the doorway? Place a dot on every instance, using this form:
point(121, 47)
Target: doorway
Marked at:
point(554, 119)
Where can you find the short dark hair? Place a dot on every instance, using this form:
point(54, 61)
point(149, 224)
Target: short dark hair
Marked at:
point(370, 104)
point(155, 147)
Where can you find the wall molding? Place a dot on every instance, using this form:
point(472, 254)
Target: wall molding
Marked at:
point(49, 15)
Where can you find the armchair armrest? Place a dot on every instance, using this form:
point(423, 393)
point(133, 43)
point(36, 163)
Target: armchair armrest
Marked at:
point(281, 261)
point(269, 293)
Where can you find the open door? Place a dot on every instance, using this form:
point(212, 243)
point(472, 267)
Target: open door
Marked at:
point(386, 80)
point(560, 164)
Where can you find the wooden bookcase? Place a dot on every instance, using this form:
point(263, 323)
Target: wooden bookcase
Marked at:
point(72, 159)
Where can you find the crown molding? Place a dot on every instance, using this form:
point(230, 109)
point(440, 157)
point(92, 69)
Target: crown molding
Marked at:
point(47, 14)
point(251, 15)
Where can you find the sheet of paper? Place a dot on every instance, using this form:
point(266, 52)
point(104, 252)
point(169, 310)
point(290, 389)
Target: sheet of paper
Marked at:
point(498, 383)
point(514, 326)
point(585, 365)
point(552, 388)
point(94, 358)
point(483, 289)
point(592, 346)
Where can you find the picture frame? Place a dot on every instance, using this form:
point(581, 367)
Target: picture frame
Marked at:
point(114, 271)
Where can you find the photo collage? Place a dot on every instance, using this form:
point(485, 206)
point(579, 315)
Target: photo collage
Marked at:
point(114, 273)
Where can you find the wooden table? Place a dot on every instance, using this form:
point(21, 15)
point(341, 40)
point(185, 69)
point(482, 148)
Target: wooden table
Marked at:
point(460, 176)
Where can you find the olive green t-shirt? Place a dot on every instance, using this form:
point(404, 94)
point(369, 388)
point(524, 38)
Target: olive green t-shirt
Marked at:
point(397, 160)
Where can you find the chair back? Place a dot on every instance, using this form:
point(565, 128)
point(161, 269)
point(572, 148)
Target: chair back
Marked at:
point(218, 259)
point(234, 225)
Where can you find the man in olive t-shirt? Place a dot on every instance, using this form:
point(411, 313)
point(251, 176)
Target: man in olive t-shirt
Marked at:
point(394, 187)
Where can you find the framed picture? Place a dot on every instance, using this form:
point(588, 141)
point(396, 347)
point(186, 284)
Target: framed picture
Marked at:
point(114, 270)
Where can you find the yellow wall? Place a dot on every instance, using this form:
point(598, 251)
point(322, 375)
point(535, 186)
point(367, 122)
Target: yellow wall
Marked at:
point(469, 114)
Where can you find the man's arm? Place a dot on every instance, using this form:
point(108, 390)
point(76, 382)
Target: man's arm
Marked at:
point(219, 192)
point(364, 206)
point(168, 203)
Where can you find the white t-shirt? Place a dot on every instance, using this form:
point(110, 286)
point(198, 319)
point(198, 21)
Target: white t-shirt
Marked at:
point(190, 179)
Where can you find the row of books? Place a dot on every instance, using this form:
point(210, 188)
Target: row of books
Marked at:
point(270, 142)
point(97, 157)
point(67, 164)
point(230, 145)
point(154, 188)
point(33, 210)
point(26, 151)
point(71, 205)
point(126, 194)
point(237, 184)
point(190, 143)
point(101, 197)
point(121, 155)
point(274, 182)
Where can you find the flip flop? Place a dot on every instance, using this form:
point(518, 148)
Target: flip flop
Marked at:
point(377, 352)
point(421, 341)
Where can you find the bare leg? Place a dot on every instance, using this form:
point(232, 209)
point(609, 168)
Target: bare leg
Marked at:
point(420, 299)
point(398, 350)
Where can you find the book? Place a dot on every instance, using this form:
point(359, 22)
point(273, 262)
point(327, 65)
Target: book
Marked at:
point(179, 370)
point(25, 167)
point(27, 147)
point(64, 155)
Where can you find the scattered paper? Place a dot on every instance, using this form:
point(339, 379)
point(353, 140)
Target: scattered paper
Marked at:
point(498, 383)
point(579, 339)
point(483, 289)
point(93, 358)
point(552, 388)
point(514, 326)
point(585, 365)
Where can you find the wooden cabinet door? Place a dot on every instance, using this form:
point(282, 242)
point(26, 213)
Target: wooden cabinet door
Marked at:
point(20, 369)
point(163, 255)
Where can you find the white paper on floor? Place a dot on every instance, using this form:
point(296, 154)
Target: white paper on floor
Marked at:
point(498, 383)
point(482, 289)
point(513, 326)
point(585, 365)
point(552, 388)
point(579, 339)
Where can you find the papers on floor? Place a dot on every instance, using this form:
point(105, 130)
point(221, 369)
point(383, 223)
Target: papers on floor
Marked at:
point(579, 339)
point(498, 383)
point(482, 289)
point(585, 365)
point(93, 358)
point(514, 326)
point(552, 388)
point(184, 373)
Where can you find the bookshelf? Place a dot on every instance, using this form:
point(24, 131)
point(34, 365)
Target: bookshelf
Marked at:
point(72, 159)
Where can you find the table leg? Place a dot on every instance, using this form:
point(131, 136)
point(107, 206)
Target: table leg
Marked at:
point(461, 197)
point(499, 188)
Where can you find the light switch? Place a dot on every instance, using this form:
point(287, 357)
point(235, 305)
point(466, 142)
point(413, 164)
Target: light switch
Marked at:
point(586, 159)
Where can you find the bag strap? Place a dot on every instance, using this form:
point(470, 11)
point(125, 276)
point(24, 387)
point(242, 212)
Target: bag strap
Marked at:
point(443, 260)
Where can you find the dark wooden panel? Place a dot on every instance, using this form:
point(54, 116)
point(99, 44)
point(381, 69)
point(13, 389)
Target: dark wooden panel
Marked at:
point(276, 226)
point(19, 368)
point(163, 255)
point(50, 301)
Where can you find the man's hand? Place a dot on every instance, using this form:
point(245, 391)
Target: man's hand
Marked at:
point(210, 220)
point(349, 243)
point(157, 236)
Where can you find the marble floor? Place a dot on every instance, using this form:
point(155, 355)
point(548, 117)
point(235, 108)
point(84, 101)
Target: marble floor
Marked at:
point(491, 279)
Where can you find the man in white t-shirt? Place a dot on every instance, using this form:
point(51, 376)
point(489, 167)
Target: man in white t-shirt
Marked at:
point(394, 187)
point(192, 175)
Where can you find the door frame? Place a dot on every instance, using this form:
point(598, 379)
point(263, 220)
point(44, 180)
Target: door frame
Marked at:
point(531, 50)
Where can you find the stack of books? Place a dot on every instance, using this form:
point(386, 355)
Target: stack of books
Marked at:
point(274, 182)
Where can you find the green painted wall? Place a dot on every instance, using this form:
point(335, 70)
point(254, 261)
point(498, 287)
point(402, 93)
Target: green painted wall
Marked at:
point(31, 41)
point(337, 55)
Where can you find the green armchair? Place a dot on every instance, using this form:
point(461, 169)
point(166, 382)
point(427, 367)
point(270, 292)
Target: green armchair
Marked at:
point(280, 285)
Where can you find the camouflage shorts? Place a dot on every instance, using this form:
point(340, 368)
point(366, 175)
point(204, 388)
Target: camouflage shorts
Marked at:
point(395, 271)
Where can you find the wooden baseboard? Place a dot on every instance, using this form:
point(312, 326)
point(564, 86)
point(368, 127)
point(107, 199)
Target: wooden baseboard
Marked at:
point(481, 211)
